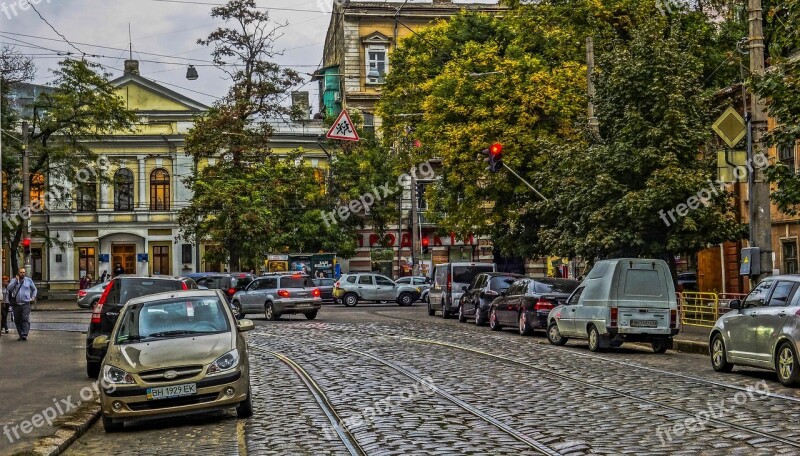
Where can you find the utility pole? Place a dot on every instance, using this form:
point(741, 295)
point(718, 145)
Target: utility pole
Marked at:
point(760, 218)
point(414, 222)
point(26, 194)
point(594, 125)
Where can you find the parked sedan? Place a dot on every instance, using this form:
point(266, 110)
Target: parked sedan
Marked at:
point(527, 303)
point(762, 331)
point(88, 297)
point(174, 354)
point(479, 295)
point(326, 290)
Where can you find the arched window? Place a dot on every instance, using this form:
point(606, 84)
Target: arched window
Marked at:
point(159, 190)
point(37, 190)
point(123, 190)
point(86, 196)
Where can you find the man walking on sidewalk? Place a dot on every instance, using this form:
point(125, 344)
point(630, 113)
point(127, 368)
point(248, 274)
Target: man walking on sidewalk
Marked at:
point(21, 292)
point(5, 309)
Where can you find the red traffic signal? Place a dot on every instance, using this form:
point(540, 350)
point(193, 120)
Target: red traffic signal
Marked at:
point(26, 242)
point(496, 148)
point(494, 157)
point(426, 243)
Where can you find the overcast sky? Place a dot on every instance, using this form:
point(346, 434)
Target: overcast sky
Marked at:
point(167, 27)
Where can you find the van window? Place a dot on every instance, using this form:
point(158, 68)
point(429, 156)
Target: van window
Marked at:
point(599, 270)
point(643, 282)
point(465, 274)
point(576, 296)
point(441, 276)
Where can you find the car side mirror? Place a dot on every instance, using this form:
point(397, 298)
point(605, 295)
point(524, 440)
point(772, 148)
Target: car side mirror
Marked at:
point(245, 325)
point(735, 304)
point(100, 343)
point(464, 288)
point(502, 294)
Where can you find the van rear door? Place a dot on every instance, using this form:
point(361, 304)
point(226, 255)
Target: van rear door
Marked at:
point(645, 295)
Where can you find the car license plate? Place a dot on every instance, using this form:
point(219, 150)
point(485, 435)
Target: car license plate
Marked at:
point(304, 304)
point(166, 392)
point(644, 323)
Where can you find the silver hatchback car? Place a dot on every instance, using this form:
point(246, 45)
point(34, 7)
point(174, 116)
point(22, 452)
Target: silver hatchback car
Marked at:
point(278, 295)
point(762, 331)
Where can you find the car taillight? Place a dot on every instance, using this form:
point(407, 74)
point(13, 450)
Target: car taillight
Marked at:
point(543, 304)
point(98, 309)
point(184, 287)
point(82, 293)
point(316, 293)
point(449, 283)
point(231, 291)
point(614, 314)
point(283, 293)
point(673, 318)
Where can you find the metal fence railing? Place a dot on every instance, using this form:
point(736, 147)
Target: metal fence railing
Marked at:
point(703, 309)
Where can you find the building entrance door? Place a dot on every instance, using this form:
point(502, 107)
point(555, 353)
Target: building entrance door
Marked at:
point(124, 254)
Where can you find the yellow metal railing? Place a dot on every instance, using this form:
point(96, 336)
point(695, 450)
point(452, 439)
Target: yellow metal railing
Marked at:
point(703, 309)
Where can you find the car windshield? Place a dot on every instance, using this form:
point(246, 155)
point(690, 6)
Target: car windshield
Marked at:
point(555, 286)
point(465, 274)
point(172, 318)
point(296, 282)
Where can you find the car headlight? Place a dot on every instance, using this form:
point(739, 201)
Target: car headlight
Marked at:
point(419, 290)
point(116, 376)
point(224, 363)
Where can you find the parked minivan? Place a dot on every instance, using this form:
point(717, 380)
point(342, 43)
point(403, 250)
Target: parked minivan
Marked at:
point(448, 282)
point(620, 300)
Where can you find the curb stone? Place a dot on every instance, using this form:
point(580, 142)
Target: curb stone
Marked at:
point(69, 431)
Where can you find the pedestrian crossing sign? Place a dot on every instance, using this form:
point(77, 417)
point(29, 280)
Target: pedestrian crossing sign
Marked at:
point(343, 129)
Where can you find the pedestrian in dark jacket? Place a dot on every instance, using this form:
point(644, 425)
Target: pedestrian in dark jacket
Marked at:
point(6, 308)
point(118, 270)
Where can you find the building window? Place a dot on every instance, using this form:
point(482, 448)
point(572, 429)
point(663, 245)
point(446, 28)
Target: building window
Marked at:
point(377, 63)
point(161, 259)
point(786, 156)
point(86, 256)
point(86, 197)
point(159, 190)
point(37, 190)
point(123, 190)
point(186, 253)
point(790, 257)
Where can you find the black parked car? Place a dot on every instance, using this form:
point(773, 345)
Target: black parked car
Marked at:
point(527, 303)
point(326, 290)
point(478, 296)
point(229, 282)
point(117, 293)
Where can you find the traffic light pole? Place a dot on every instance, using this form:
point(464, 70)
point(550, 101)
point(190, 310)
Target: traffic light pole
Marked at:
point(26, 195)
point(525, 182)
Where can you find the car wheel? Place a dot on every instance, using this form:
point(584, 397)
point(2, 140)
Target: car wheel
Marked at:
point(110, 425)
point(554, 335)
point(405, 299)
point(237, 310)
point(431, 312)
point(446, 314)
point(594, 339)
point(786, 365)
point(461, 317)
point(480, 320)
point(719, 355)
point(92, 369)
point(312, 315)
point(494, 323)
point(245, 408)
point(524, 324)
point(350, 299)
point(269, 312)
point(660, 346)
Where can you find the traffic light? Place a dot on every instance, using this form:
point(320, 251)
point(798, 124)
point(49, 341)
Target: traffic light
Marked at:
point(494, 157)
point(26, 245)
point(426, 244)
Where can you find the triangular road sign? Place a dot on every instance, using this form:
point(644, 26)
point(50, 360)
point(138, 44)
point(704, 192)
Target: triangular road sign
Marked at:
point(343, 129)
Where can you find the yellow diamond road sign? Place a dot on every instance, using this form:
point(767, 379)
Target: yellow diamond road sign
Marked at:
point(730, 127)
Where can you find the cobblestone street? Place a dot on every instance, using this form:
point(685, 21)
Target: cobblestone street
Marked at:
point(400, 382)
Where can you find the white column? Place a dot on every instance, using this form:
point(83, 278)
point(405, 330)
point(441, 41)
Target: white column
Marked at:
point(142, 183)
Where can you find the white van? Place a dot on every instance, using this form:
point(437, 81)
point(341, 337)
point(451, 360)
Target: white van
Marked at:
point(620, 300)
point(448, 283)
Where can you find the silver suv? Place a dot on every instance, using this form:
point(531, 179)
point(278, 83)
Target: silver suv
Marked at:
point(351, 288)
point(278, 295)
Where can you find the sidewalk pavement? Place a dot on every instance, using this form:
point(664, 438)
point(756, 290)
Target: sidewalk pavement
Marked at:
point(692, 339)
point(58, 305)
point(44, 385)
